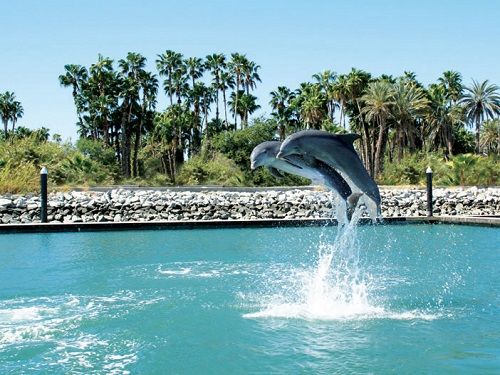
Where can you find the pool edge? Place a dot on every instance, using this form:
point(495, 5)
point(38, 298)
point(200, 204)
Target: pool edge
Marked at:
point(218, 224)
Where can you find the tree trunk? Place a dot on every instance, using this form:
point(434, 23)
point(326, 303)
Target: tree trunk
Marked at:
point(126, 140)
point(379, 153)
point(478, 128)
point(5, 125)
point(225, 105)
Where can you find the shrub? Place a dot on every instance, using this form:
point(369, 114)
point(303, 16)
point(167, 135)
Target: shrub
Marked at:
point(211, 170)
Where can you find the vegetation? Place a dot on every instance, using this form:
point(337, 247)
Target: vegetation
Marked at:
point(205, 134)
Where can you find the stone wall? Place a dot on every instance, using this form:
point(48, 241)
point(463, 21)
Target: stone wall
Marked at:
point(149, 205)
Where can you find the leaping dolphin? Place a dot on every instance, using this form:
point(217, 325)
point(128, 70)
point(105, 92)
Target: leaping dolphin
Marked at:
point(301, 165)
point(337, 151)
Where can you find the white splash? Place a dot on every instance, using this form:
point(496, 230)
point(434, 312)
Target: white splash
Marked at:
point(335, 288)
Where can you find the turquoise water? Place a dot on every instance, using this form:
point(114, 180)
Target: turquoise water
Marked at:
point(379, 299)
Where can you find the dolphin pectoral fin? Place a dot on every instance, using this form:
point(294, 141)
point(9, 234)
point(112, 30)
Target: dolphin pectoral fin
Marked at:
point(276, 173)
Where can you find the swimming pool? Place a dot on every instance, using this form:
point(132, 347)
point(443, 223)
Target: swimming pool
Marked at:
point(395, 298)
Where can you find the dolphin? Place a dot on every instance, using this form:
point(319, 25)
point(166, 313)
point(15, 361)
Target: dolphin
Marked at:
point(315, 170)
point(337, 151)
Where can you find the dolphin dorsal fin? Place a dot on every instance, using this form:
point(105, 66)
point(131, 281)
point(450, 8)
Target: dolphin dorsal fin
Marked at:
point(349, 138)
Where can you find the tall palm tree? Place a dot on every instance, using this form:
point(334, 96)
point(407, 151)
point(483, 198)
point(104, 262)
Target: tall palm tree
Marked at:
point(452, 83)
point(149, 87)
point(251, 75)
point(226, 82)
point(357, 82)
point(441, 117)
point(378, 101)
point(313, 109)
point(195, 68)
point(17, 113)
point(280, 103)
point(237, 65)
point(167, 63)
point(7, 100)
point(215, 63)
point(247, 104)
point(131, 70)
point(410, 103)
point(481, 101)
point(75, 77)
point(326, 81)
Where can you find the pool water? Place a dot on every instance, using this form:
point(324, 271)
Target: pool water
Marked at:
point(373, 299)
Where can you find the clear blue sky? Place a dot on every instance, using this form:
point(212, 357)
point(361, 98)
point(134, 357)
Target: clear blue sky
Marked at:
point(290, 39)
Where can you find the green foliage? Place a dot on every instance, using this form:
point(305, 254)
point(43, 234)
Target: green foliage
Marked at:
point(237, 145)
point(21, 161)
point(463, 141)
point(210, 170)
point(470, 169)
point(464, 169)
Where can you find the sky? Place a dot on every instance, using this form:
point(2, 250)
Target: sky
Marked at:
point(290, 39)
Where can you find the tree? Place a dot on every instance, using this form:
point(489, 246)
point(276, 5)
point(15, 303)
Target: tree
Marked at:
point(247, 104)
point(168, 63)
point(281, 104)
point(378, 101)
point(481, 101)
point(326, 81)
point(132, 69)
point(226, 82)
point(74, 77)
point(441, 117)
point(215, 63)
point(7, 100)
point(410, 103)
point(452, 84)
point(17, 112)
point(490, 137)
point(237, 65)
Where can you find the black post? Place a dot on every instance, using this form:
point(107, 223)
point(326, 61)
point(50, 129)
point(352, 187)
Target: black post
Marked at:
point(43, 195)
point(428, 172)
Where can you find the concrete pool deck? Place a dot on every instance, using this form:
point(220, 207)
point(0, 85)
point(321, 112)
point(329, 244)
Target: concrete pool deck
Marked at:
point(218, 224)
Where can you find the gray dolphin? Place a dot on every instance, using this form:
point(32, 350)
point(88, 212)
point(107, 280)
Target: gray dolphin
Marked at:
point(318, 172)
point(337, 151)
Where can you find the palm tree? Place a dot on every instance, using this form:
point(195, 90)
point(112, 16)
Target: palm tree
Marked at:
point(340, 94)
point(132, 68)
point(452, 83)
point(167, 63)
point(75, 77)
point(441, 117)
point(481, 101)
point(7, 100)
point(149, 87)
point(280, 103)
point(326, 81)
point(17, 113)
point(226, 82)
point(247, 104)
point(313, 107)
point(378, 101)
point(410, 103)
point(251, 75)
point(195, 68)
point(356, 84)
point(490, 137)
point(237, 65)
point(215, 63)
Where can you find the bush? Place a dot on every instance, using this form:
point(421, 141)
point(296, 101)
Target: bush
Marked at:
point(465, 169)
point(210, 170)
